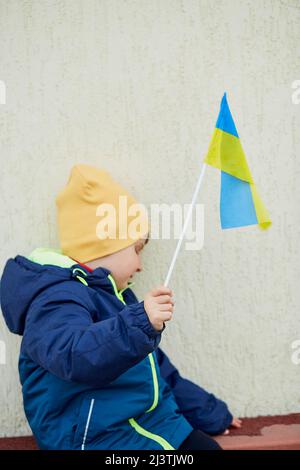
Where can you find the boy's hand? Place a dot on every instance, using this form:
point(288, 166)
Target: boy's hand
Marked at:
point(159, 306)
point(236, 423)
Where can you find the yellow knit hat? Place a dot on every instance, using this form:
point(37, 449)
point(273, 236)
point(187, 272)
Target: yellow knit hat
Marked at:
point(78, 215)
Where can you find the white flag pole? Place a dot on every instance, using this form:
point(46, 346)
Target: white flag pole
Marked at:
point(185, 224)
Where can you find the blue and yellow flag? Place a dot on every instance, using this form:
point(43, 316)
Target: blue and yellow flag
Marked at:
point(240, 203)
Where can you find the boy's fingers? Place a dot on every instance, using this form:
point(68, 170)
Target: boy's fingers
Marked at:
point(167, 316)
point(161, 290)
point(236, 423)
point(162, 299)
point(166, 307)
point(237, 420)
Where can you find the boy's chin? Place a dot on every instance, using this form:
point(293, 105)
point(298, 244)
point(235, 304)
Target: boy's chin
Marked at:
point(124, 284)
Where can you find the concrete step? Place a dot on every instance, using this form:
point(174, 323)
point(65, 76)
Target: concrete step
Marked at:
point(261, 433)
point(264, 433)
point(18, 443)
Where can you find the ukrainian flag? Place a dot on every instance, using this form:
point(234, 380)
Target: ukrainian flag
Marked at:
point(240, 203)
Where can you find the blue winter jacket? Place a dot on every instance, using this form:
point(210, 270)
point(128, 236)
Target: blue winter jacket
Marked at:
point(92, 374)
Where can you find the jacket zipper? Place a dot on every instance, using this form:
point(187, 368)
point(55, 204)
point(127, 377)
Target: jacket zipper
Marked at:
point(139, 429)
point(87, 423)
point(150, 355)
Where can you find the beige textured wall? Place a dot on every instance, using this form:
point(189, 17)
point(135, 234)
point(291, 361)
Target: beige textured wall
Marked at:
point(134, 86)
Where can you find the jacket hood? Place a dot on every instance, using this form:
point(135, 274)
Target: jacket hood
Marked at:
point(24, 278)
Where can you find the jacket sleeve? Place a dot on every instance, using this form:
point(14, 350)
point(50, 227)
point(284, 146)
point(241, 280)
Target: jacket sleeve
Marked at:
point(202, 409)
point(61, 336)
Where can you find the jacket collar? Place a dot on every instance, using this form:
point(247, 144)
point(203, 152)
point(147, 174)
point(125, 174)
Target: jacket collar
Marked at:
point(55, 257)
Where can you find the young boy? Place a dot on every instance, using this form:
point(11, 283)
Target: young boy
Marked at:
point(92, 374)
